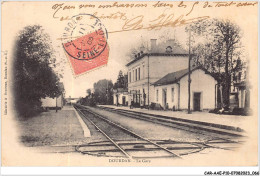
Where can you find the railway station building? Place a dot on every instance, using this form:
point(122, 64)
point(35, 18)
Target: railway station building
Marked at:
point(159, 75)
point(171, 91)
point(149, 66)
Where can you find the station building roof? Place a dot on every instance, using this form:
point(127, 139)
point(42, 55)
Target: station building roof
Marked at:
point(164, 49)
point(174, 77)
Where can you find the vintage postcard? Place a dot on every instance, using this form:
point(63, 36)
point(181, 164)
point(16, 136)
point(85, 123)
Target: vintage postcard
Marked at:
point(133, 83)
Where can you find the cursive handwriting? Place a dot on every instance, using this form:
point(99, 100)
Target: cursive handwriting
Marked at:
point(161, 21)
point(114, 16)
point(195, 3)
point(190, 6)
point(223, 4)
point(141, 21)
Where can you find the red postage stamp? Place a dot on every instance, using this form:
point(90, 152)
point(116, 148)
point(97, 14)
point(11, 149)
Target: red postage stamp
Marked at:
point(85, 43)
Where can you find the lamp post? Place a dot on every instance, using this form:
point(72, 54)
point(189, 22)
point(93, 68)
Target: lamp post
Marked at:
point(56, 104)
point(116, 96)
point(107, 93)
point(148, 98)
point(189, 80)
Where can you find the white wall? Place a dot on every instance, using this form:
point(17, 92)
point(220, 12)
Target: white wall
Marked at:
point(241, 98)
point(159, 66)
point(162, 65)
point(169, 95)
point(51, 102)
point(120, 98)
point(200, 82)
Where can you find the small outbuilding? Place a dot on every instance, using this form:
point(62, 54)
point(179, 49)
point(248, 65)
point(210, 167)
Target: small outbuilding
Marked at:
point(171, 91)
point(52, 103)
point(243, 92)
point(120, 97)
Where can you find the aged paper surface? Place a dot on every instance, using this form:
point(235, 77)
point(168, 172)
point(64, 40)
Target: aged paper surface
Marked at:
point(84, 42)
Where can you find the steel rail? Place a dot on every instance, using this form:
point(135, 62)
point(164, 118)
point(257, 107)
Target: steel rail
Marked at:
point(122, 150)
point(132, 133)
point(164, 119)
point(161, 122)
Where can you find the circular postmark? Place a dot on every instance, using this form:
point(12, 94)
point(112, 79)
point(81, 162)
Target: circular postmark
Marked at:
point(85, 37)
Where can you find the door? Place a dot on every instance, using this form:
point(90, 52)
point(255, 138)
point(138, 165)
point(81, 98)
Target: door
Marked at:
point(196, 101)
point(117, 99)
point(164, 98)
point(123, 100)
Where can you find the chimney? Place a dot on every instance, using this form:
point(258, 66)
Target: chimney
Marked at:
point(153, 44)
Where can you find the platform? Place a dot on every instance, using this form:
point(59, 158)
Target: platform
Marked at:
point(63, 127)
point(221, 119)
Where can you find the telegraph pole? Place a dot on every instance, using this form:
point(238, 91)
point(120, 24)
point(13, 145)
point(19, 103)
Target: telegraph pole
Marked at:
point(189, 80)
point(107, 92)
point(56, 104)
point(148, 98)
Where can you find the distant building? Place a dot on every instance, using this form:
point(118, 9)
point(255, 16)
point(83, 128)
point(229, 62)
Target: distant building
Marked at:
point(243, 94)
point(71, 101)
point(151, 65)
point(240, 90)
point(52, 103)
point(120, 97)
point(171, 91)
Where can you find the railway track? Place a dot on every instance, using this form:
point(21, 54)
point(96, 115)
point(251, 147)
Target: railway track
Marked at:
point(224, 133)
point(132, 135)
point(135, 146)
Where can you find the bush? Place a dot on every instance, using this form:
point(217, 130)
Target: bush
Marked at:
point(235, 111)
point(156, 106)
point(216, 110)
point(241, 111)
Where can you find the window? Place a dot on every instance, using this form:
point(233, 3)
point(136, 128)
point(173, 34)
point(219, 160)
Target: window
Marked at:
point(136, 74)
point(133, 75)
point(143, 70)
point(172, 94)
point(129, 77)
point(157, 94)
point(139, 73)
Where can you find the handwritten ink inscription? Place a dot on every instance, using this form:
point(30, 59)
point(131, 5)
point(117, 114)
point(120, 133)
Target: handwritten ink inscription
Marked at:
point(167, 19)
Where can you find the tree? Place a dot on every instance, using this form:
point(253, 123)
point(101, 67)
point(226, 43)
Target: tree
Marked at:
point(121, 81)
point(219, 50)
point(103, 92)
point(229, 36)
point(88, 92)
point(33, 75)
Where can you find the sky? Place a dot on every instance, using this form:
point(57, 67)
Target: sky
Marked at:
point(120, 43)
point(118, 58)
